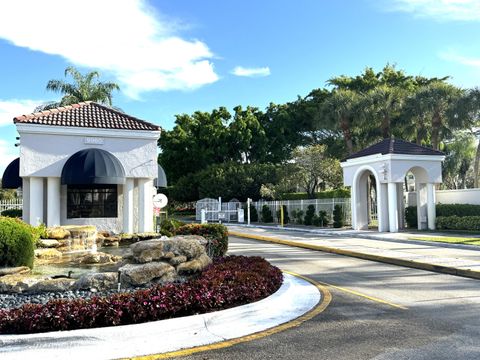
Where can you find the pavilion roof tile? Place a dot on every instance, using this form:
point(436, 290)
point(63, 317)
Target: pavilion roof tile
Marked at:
point(86, 114)
point(395, 146)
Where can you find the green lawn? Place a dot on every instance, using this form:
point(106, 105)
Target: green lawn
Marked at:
point(448, 239)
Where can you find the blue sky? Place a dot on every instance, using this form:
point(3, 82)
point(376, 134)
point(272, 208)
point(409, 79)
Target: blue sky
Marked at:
point(172, 57)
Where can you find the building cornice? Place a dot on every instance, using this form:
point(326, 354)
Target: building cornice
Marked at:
point(93, 132)
point(389, 157)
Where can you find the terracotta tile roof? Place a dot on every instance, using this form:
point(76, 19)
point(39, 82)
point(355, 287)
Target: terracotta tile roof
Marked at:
point(395, 146)
point(86, 114)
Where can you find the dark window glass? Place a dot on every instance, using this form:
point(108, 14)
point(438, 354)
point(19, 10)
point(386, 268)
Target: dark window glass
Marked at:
point(91, 201)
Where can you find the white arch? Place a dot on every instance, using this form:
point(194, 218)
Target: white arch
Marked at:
point(355, 188)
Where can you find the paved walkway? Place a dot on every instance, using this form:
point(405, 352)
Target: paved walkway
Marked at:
point(395, 249)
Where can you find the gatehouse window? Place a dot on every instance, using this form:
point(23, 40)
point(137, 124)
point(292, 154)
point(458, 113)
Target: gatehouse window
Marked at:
point(92, 201)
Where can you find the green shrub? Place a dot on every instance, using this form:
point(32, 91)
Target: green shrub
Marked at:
point(13, 213)
point(411, 217)
point(309, 214)
point(267, 216)
point(16, 243)
point(443, 210)
point(321, 219)
point(297, 216)
point(286, 218)
point(338, 218)
point(253, 213)
point(457, 210)
point(168, 227)
point(328, 194)
point(216, 234)
point(458, 222)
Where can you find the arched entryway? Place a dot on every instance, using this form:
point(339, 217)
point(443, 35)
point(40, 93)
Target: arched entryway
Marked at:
point(367, 197)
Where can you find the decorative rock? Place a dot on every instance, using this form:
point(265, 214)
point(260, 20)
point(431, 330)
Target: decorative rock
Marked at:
point(111, 241)
point(57, 233)
point(99, 258)
point(48, 243)
point(139, 274)
point(194, 266)
point(153, 250)
point(51, 285)
point(14, 270)
point(198, 238)
point(99, 281)
point(47, 254)
point(177, 260)
point(188, 245)
point(19, 283)
point(147, 251)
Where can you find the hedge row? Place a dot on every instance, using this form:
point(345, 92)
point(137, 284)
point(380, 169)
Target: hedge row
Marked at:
point(14, 213)
point(458, 222)
point(328, 194)
point(227, 282)
point(443, 210)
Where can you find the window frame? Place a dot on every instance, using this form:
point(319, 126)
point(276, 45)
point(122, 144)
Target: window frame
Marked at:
point(93, 201)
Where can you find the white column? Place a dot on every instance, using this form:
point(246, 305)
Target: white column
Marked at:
point(382, 207)
point(128, 206)
point(145, 205)
point(392, 207)
point(53, 203)
point(431, 215)
point(26, 199)
point(36, 201)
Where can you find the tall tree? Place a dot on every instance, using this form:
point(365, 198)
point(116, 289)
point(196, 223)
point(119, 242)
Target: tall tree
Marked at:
point(439, 99)
point(383, 105)
point(340, 110)
point(85, 87)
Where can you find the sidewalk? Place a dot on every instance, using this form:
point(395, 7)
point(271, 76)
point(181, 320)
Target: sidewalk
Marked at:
point(454, 259)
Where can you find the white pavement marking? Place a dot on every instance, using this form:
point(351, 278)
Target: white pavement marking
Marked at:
point(294, 298)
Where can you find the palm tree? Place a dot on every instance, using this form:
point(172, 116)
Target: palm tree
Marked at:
point(340, 110)
point(84, 88)
point(439, 100)
point(382, 105)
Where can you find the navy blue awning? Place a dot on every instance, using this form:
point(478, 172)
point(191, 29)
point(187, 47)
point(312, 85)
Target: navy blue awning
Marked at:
point(11, 176)
point(92, 166)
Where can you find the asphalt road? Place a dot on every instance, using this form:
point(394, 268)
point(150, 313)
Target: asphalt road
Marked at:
point(441, 319)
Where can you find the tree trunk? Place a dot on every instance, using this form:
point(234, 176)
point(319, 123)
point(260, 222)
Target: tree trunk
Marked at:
point(386, 127)
point(475, 166)
point(436, 124)
point(347, 135)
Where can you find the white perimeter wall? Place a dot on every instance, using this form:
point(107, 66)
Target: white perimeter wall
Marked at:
point(461, 196)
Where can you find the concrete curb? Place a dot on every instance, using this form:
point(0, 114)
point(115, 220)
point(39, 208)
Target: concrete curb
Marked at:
point(295, 298)
point(384, 259)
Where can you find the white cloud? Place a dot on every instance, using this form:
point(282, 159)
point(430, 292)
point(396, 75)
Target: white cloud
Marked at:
point(127, 38)
point(14, 107)
point(8, 152)
point(461, 10)
point(455, 57)
point(251, 72)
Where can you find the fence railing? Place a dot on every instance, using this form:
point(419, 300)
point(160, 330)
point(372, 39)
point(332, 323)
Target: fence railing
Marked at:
point(11, 204)
point(294, 206)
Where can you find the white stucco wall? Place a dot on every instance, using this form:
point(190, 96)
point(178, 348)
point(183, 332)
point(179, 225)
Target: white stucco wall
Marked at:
point(44, 154)
point(460, 196)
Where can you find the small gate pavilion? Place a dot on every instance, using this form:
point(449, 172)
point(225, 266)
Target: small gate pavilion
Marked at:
point(386, 164)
